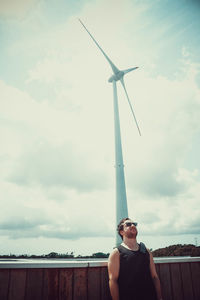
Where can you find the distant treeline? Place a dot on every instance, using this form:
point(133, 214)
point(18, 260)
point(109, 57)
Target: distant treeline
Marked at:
point(177, 250)
point(174, 250)
point(57, 255)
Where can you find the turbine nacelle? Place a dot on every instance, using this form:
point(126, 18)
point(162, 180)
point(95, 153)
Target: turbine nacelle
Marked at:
point(119, 74)
point(116, 77)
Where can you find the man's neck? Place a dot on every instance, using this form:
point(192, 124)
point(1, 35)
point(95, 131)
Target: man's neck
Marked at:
point(130, 243)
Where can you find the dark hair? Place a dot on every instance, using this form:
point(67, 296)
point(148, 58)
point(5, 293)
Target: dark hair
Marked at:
point(120, 226)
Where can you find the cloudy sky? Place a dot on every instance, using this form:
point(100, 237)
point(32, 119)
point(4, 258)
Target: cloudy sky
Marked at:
point(57, 187)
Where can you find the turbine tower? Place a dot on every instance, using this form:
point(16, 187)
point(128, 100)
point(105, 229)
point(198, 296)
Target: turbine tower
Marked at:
point(121, 199)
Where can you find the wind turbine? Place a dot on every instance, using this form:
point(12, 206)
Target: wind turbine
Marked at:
point(121, 199)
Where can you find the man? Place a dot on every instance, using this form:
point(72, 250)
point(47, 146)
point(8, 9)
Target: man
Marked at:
point(132, 272)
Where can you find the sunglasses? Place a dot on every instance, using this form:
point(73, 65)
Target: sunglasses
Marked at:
point(128, 224)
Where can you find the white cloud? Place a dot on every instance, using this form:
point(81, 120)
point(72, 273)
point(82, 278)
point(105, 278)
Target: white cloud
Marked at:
point(64, 165)
point(170, 113)
point(17, 8)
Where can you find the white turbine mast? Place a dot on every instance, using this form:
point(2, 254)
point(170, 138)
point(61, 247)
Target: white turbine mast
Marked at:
point(121, 199)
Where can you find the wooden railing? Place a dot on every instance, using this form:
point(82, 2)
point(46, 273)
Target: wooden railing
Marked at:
point(59, 280)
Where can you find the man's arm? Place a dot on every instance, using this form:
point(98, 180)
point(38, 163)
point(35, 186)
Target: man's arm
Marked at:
point(113, 273)
point(155, 277)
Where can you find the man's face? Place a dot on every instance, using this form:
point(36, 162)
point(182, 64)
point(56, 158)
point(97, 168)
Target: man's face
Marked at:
point(129, 229)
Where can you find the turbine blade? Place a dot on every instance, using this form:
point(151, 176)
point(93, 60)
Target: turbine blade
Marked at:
point(122, 82)
point(114, 68)
point(129, 70)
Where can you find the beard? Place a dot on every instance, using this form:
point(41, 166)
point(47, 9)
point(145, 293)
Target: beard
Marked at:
point(131, 234)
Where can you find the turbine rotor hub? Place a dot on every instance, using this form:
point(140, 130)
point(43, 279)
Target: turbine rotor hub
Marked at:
point(116, 77)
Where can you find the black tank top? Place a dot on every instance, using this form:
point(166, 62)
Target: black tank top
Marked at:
point(135, 281)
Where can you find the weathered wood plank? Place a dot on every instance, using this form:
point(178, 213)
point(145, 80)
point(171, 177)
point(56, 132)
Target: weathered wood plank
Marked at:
point(94, 283)
point(187, 281)
point(105, 292)
point(65, 284)
point(50, 284)
point(17, 284)
point(158, 269)
point(34, 284)
point(4, 283)
point(80, 284)
point(195, 270)
point(176, 281)
point(165, 281)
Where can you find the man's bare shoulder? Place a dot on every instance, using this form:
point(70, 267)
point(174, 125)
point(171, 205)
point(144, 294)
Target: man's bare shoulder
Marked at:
point(114, 254)
point(114, 264)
